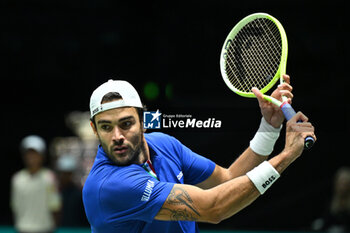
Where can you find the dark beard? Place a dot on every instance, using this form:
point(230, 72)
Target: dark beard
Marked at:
point(134, 156)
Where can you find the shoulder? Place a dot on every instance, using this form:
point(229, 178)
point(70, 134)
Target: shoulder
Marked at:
point(129, 184)
point(47, 172)
point(109, 180)
point(123, 179)
point(105, 190)
point(162, 140)
point(126, 193)
point(18, 175)
point(48, 175)
point(157, 136)
point(96, 178)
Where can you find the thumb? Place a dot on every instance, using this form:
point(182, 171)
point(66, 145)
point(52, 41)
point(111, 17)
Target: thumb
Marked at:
point(258, 95)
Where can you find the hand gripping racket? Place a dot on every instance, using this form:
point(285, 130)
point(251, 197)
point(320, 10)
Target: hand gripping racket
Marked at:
point(255, 55)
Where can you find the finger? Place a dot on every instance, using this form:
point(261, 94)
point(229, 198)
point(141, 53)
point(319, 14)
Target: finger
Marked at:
point(285, 86)
point(314, 136)
point(257, 92)
point(258, 95)
point(286, 78)
point(302, 118)
point(305, 125)
point(302, 126)
point(286, 93)
point(298, 117)
point(305, 130)
point(309, 134)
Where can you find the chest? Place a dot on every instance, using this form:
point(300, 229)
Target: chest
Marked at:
point(31, 184)
point(168, 170)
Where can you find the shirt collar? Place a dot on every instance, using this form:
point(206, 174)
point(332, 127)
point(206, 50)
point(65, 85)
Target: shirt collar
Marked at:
point(102, 155)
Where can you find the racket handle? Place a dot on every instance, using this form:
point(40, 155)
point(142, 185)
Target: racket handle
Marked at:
point(289, 112)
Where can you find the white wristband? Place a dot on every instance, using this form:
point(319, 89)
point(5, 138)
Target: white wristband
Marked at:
point(263, 176)
point(265, 139)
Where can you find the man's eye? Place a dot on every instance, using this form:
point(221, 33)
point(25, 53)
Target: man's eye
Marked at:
point(126, 124)
point(106, 127)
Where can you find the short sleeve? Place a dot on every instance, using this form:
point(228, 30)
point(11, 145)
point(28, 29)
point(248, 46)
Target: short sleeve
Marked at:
point(195, 167)
point(132, 194)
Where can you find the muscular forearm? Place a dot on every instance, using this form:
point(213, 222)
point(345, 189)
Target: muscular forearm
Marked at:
point(233, 196)
point(282, 161)
point(187, 202)
point(244, 163)
point(238, 193)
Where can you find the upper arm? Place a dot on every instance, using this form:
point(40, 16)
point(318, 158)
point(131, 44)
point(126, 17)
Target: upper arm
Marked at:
point(195, 167)
point(187, 203)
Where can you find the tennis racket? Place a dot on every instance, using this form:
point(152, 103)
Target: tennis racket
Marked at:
point(254, 54)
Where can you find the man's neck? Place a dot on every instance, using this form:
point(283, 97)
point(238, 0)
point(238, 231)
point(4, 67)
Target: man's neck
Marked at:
point(145, 154)
point(33, 170)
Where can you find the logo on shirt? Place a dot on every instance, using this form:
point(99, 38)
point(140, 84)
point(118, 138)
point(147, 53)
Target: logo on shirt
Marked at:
point(152, 120)
point(148, 191)
point(180, 175)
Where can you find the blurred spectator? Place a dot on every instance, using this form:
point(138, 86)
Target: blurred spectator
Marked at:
point(337, 216)
point(72, 213)
point(35, 200)
point(74, 156)
point(82, 146)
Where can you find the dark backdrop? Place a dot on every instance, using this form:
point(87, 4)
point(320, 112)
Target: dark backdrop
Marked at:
point(55, 53)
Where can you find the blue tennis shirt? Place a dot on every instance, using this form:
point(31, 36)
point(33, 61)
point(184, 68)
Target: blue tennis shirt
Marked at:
point(127, 198)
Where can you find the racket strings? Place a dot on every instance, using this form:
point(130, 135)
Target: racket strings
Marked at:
point(254, 54)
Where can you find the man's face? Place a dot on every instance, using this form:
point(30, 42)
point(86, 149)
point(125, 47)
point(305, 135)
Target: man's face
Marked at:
point(33, 159)
point(121, 136)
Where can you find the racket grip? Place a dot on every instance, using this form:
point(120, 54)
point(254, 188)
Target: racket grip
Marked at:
point(289, 112)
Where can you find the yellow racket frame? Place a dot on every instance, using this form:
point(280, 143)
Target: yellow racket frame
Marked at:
point(283, 61)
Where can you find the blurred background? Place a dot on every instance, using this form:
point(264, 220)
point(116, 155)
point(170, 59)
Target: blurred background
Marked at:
point(55, 53)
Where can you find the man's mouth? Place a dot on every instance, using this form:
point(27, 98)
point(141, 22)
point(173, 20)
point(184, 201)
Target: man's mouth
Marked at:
point(120, 149)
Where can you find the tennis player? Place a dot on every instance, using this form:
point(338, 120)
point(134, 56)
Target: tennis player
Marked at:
point(151, 182)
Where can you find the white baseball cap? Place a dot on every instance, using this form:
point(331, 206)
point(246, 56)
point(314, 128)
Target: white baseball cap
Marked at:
point(33, 142)
point(66, 163)
point(130, 97)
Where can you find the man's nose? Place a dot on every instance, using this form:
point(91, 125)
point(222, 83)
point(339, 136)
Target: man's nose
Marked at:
point(118, 136)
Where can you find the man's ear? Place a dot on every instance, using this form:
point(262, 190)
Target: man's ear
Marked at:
point(143, 129)
point(93, 128)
